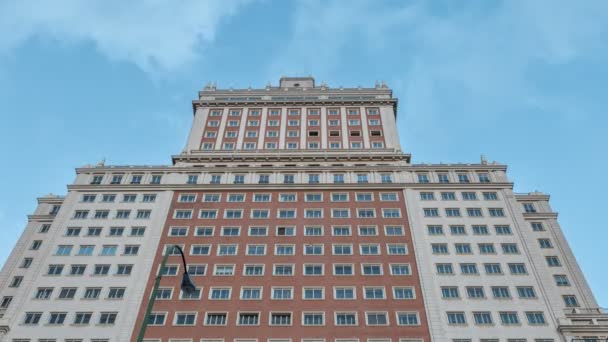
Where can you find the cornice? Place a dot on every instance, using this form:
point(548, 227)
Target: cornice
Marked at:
point(531, 197)
point(451, 167)
point(540, 216)
point(300, 102)
point(41, 217)
point(201, 156)
point(280, 186)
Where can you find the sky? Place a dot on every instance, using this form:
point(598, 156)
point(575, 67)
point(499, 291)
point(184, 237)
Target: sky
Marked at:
point(522, 82)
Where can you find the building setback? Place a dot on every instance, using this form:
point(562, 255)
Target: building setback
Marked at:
point(302, 220)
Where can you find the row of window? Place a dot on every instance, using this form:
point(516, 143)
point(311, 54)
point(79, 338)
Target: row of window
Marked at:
point(79, 318)
point(465, 195)
point(499, 292)
point(276, 123)
point(483, 248)
point(111, 198)
point(283, 213)
point(290, 249)
point(317, 318)
point(477, 229)
point(313, 230)
point(491, 268)
point(111, 231)
point(344, 292)
point(471, 212)
point(289, 197)
point(105, 214)
point(55, 340)
point(290, 178)
point(487, 318)
point(80, 269)
point(88, 250)
point(46, 293)
point(290, 145)
point(296, 112)
point(97, 179)
point(288, 269)
point(446, 177)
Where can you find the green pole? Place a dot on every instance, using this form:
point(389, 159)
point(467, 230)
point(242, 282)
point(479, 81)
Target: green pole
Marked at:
point(144, 324)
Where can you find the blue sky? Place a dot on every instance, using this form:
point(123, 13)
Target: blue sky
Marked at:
point(522, 82)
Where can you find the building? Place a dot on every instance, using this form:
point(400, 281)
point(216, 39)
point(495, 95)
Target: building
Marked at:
point(302, 220)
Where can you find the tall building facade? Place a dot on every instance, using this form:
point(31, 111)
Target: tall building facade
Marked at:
point(302, 220)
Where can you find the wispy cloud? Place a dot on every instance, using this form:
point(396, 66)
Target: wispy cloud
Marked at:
point(483, 55)
point(154, 34)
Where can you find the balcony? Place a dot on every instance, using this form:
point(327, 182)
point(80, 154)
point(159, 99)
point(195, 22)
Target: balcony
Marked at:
point(584, 325)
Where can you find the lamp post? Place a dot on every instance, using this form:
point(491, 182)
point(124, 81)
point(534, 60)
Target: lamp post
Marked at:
point(187, 286)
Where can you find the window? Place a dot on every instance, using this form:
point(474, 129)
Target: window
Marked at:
point(26, 263)
point(220, 293)
point(366, 213)
point(44, 228)
point(537, 227)
point(313, 293)
point(448, 196)
point(396, 249)
point(77, 269)
point(369, 249)
point(216, 179)
point(284, 250)
point(517, 269)
point(313, 231)
point(503, 230)
point(253, 270)
point(463, 178)
point(490, 196)
point(492, 268)
point(206, 214)
point(475, 292)
point(463, 248)
point(233, 213)
point(535, 318)
point(101, 269)
point(32, 318)
point(553, 261)
point(427, 196)
point(371, 269)
point(570, 301)
point(63, 250)
point(92, 292)
point(67, 293)
point(509, 248)
point(157, 318)
point(131, 250)
point(41, 293)
point(449, 292)
point(81, 214)
point(342, 249)
point(368, 231)
point(444, 269)
point(116, 293)
point(509, 317)
point(156, 179)
point(423, 178)
point(248, 318)
point(373, 293)
point(526, 292)
point(231, 231)
point(116, 231)
point(545, 243)
point(376, 318)
point(362, 178)
point(457, 230)
point(500, 292)
point(456, 318)
point(107, 318)
point(282, 270)
point(468, 269)
point(116, 179)
point(223, 250)
point(482, 317)
point(251, 293)
point(391, 213)
point(340, 213)
point(282, 293)
point(124, 269)
point(216, 318)
point(184, 318)
point(258, 231)
point(313, 318)
point(96, 179)
point(54, 269)
point(260, 213)
point(469, 196)
point(82, 318)
point(496, 212)
point(313, 249)
point(403, 292)
point(561, 280)
point(344, 292)
point(286, 231)
point(280, 318)
point(407, 318)
point(435, 230)
point(343, 269)
point(400, 269)
point(313, 213)
point(431, 212)
point(529, 208)
point(108, 250)
point(486, 248)
point(200, 249)
point(345, 318)
point(439, 248)
point(474, 212)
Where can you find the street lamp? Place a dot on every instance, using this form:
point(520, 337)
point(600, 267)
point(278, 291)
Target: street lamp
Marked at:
point(187, 286)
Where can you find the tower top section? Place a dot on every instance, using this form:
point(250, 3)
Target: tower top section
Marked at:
point(297, 82)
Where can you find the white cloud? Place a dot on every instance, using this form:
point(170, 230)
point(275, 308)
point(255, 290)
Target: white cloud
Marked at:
point(157, 35)
point(487, 52)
